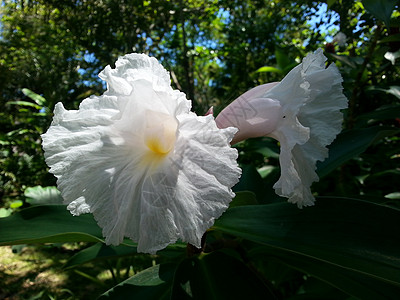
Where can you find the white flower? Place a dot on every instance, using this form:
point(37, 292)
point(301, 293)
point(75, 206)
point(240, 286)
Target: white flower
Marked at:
point(340, 38)
point(302, 112)
point(137, 159)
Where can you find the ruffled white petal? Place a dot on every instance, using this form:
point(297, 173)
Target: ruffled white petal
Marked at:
point(136, 158)
point(194, 185)
point(311, 98)
point(302, 112)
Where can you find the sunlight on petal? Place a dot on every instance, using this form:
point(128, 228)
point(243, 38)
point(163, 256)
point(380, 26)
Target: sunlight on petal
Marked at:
point(302, 112)
point(137, 159)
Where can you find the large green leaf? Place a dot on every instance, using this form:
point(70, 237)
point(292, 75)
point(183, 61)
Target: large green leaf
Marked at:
point(381, 9)
point(99, 251)
point(243, 198)
point(151, 284)
point(250, 181)
point(351, 282)
point(383, 113)
point(47, 224)
point(218, 276)
point(394, 90)
point(351, 143)
point(346, 233)
point(102, 251)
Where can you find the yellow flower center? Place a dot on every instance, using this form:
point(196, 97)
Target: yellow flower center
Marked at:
point(160, 132)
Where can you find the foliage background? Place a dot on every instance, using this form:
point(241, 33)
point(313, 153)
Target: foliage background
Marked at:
point(215, 50)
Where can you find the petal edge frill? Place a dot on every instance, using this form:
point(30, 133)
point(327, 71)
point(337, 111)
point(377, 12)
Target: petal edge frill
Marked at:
point(194, 187)
point(115, 158)
point(312, 121)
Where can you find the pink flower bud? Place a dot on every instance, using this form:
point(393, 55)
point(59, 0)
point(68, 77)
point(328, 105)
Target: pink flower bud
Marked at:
point(254, 115)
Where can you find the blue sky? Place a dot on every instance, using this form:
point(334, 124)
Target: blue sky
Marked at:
point(321, 14)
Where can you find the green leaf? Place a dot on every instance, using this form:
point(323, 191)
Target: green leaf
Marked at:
point(16, 203)
point(344, 59)
point(383, 113)
point(395, 195)
point(174, 251)
point(390, 38)
point(342, 232)
point(268, 69)
point(394, 90)
point(331, 2)
point(282, 58)
point(265, 146)
point(38, 195)
point(250, 181)
point(35, 97)
point(243, 198)
point(218, 276)
point(265, 171)
point(354, 283)
point(5, 212)
point(380, 9)
point(99, 251)
point(48, 224)
point(351, 143)
point(24, 103)
point(153, 283)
